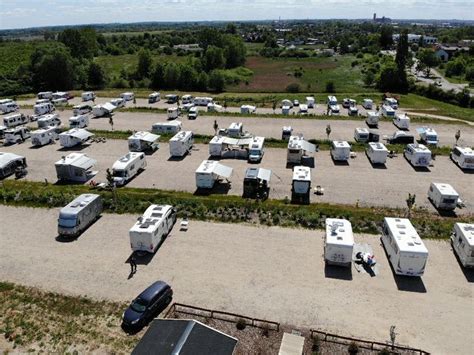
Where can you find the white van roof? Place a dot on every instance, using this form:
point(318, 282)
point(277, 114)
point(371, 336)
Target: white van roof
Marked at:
point(445, 189)
point(122, 162)
point(405, 235)
point(301, 173)
point(152, 217)
point(213, 166)
point(376, 146)
point(181, 136)
point(419, 148)
point(467, 230)
point(341, 144)
point(145, 136)
point(78, 204)
point(339, 231)
point(6, 158)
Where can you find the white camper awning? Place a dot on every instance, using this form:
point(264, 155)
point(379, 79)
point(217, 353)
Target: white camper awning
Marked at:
point(149, 137)
point(264, 174)
point(84, 163)
point(223, 171)
point(109, 107)
point(308, 147)
point(81, 134)
point(235, 141)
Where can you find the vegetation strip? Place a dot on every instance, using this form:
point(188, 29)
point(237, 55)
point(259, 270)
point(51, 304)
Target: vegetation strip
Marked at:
point(223, 208)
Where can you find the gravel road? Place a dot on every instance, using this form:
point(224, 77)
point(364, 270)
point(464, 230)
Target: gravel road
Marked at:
point(270, 273)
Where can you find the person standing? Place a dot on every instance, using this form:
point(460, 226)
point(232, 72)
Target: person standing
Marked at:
point(133, 264)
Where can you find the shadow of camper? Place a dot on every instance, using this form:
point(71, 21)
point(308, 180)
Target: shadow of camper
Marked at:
point(338, 272)
point(220, 188)
point(340, 162)
point(143, 257)
point(307, 161)
point(76, 148)
point(420, 169)
point(175, 158)
point(443, 213)
point(69, 239)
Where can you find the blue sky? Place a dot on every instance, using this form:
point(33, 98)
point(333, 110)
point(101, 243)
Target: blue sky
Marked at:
point(31, 13)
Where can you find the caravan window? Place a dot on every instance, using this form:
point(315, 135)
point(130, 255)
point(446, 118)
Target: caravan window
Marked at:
point(67, 221)
point(449, 200)
point(456, 152)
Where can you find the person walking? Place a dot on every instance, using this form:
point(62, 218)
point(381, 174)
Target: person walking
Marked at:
point(111, 122)
point(133, 264)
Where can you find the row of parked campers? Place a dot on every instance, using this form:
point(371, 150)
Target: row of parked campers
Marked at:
point(8, 105)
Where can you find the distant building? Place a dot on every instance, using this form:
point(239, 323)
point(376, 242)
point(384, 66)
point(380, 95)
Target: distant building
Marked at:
point(382, 19)
point(446, 52)
point(414, 38)
point(188, 47)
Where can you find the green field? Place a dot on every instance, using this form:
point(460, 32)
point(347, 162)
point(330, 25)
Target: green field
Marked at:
point(14, 54)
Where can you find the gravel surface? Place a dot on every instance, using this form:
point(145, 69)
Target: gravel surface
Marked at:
point(271, 273)
point(357, 182)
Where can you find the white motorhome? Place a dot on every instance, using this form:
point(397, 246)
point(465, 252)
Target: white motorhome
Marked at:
point(152, 228)
point(81, 109)
point(303, 109)
point(285, 110)
point(339, 242)
point(88, 96)
point(301, 185)
point(203, 101)
point(60, 95)
point(2, 131)
point(405, 249)
point(42, 101)
point(463, 157)
point(367, 104)
point(127, 167)
point(16, 135)
point(390, 101)
point(143, 141)
point(75, 167)
point(417, 154)
point(256, 149)
point(80, 121)
point(193, 113)
point(247, 109)
point(119, 102)
point(402, 121)
point(210, 172)
point(236, 130)
point(372, 119)
point(361, 135)
point(44, 136)
point(297, 149)
point(103, 110)
point(187, 99)
point(377, 153)
point(171, 98)
point(9, 162)
point(5, 101)
point(388, 111)
point(228, 147)
point(340, 150)
point(310, 101)
point(428, 135)
point(167, 127)
point(443, 196)
point(43, 109)
point(462, 240)
point(181, 143)
point(212, 107)
point(173, 113)
point(73, 137)
point(352, 111)
point(45, 95)
point(17, 119)
point(127, 96)
point(50, 120)
point(7, 107)
point(79, 214)
point(154, 97)
point(59, 102)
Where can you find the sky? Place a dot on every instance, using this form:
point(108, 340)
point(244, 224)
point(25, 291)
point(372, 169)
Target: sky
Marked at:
point(33, 13)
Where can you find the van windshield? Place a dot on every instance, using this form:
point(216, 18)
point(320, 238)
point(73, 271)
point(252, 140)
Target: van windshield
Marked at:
point(67, 221)
point(254, 152)
point(139, 305)
point(120, 173)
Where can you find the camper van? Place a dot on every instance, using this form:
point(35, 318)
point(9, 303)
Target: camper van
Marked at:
point(310, 102)
point(462, 240)
point(79, 214)
point(367, 104)
point(193, 113)
point(247, 109)
point(340, 150)
point(331, 101)
point(16, 135)
point(73, 137)
point(152, 228)
point(127, 167)
point(443, 196)
point(173, 113)
point(181, 143)
point(301, 185)
point(463, 157)
point(372, 119)
point(303, 109)
point(171, 98)
point(428, 135)
point(286, 132)
point(418, 155)
point(17, 119)
point(43, 109)
point(119, 102)
point(80, 121)
point(59, 102)
point(61, 95)
point(7, 107)
point(352, 111)
point(143, 141)
point(256, 150)
point(9, 162)
point(257, 183)
point(103, 110)
point(339, 242)
point(390, 101)
point(88, 96)
point(44, 136)
point(377, 153)
point(405, 249)
point(203, 101)
point(297, 149)
point(402, 121)
point(82, 109)
point(51, 120)
point(166, 127)
point(361, 135)
point(154, 97)
point(187, 99)
point(45, 95)
point(75, 167)
point(388, 111)
point(127, 96)
point(210, 172)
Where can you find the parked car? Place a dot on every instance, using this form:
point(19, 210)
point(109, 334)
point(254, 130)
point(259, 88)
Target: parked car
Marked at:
point(149, 304)
point(296, 103)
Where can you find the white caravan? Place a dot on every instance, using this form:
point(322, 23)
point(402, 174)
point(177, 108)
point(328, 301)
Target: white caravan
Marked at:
point(7, 107)
point(152, 228)
point(367, 104)
point(16, 135)
point(236, 130)
point(173, 113)
point(463, 157)
point(417, 154)
point(443, 196)
point(287, 103)
point(390, 101)
point(405, 249)
point(119, 102)
point(154, 97)
point(171, 98)
point(301, 184)
point(212, 107)
point(187, 99)
point(428, 135)
point(462, 240)
point(203, 101)
point(361, 135)
point(372, 119)
point(402, 121)
point(167, 127)
point(211, 171)
point(352, 111)
point(81, 109)
point(44, 136)
point(43, 109)
point(193, 113)
point(247, 109)
point(80, 121)
point(51, 120)
point(42, 101)
point(103, 110)
point(143, 141)
point(60, 95)
point(340, 150)
point(73, 137)
point(388, 111)
point(181, 143)
point(285, 110)
point(127, 167)
point(9, 162)
point(5, 101)
point(297, 149)
point(59, 102)
point(377, 153)
point(303, 109)
point(127, 96)
point(45, 95)
point(339, 242)
point(88, 96)
point(79, 214)
point(310, 102)
point(75, 167)
point(17, 119)
point(256, 149)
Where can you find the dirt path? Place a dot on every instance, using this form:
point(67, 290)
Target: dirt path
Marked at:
point(270, 273)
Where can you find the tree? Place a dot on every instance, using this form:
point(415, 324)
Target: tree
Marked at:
point(158, 76)
point(470, 73)
point(144, 64)
point(216, 81)
point(293, 88)
point(202, 81)
point(328, 130)
point(213, 58)
point(234, 51)
point(386, 37)
point(188, 78)
point(52, 69)
point(82, 43)
point(401, 59)
point(388, 79)
point(171, 76)
point(455, 68)
point(231, 28)
point(410, 203)
point(369, 78)
point(330, 87)
point(429, 60)
point(95, 76)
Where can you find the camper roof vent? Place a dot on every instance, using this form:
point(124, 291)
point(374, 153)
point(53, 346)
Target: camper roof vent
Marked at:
point(158, 215)
point(398, 220)
point(401, 226)
point(339, 238)
point(410, 244)
point(402, 233)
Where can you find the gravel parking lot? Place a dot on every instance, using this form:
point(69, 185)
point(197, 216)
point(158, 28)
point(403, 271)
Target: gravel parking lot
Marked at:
point(270, 273)
point(357, 182)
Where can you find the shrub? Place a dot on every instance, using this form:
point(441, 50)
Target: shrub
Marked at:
point(360, 55)
point(293, 88)
point(353, 348)
point(354, 63)
point(240, 325)
point(330, 87)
